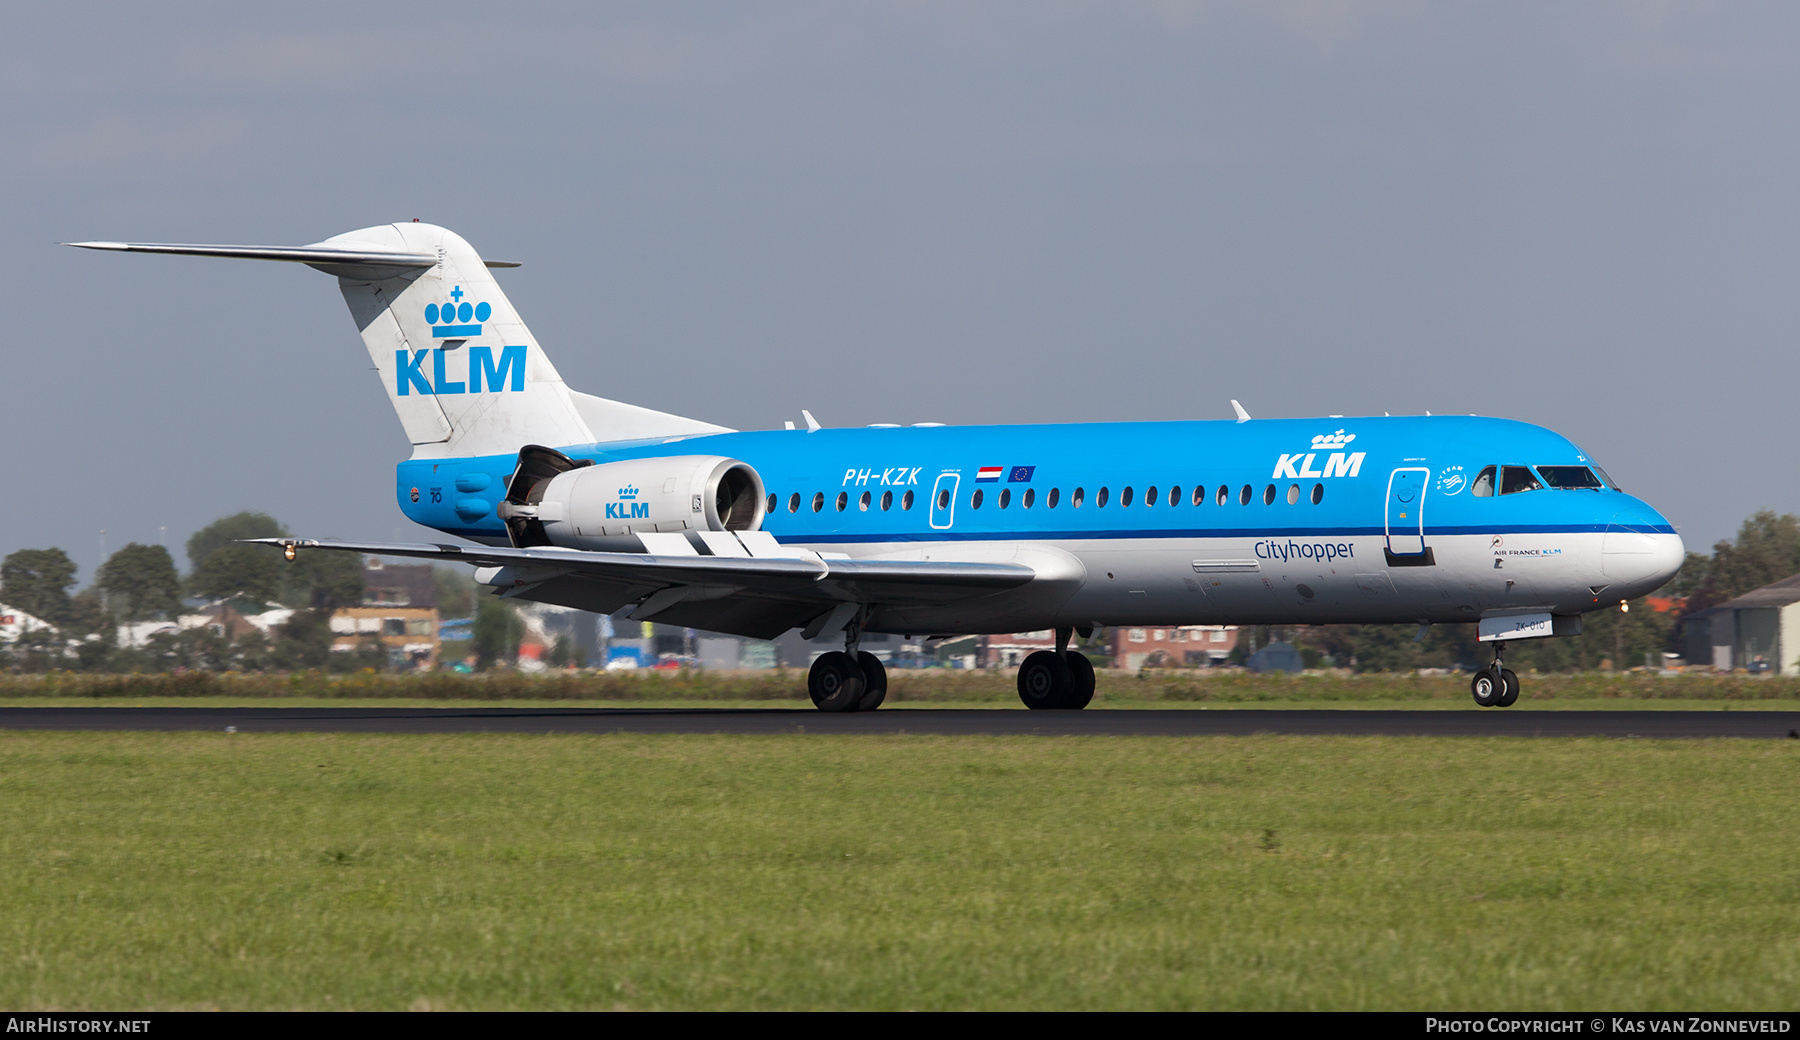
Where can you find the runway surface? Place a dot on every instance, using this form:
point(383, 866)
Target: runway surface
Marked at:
point(962, 721)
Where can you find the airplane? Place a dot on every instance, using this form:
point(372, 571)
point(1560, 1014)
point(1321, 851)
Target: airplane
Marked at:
point(580, 501)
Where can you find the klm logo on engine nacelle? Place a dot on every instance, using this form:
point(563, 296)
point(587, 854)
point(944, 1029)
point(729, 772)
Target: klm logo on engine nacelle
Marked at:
point(1338, 464)
point(628, 507)
point(483, 373)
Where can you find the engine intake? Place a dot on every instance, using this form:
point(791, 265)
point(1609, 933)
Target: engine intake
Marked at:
point(555, 500)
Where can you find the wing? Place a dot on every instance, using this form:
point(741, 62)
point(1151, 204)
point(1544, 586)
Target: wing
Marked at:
point(747, 583)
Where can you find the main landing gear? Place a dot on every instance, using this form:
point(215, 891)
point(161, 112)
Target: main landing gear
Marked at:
point(840, 682)
point(1495, 686)
point(847, 679)
point(1060, 678)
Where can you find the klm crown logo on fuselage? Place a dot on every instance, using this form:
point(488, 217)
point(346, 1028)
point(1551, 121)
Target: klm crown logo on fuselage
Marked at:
point(1338, 463)
point(627, 507)
point(455, 320)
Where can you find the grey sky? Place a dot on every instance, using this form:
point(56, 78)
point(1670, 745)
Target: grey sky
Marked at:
point(1580, 215)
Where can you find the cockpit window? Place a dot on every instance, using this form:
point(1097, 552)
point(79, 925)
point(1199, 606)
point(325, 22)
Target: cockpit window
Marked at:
point(1608, 481)
point(1484, 484)
point(1514, 479)
point(1569, 477)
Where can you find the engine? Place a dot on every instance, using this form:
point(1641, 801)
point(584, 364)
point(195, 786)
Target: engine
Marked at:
point(554, 500)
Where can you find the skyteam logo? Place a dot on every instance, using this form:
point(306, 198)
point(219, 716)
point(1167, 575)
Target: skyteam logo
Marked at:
point(458, 319)
point(1452, 479)
point(1338, 463)
point(628, 507)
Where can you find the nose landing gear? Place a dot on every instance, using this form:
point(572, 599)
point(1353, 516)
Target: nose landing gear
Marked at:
point(1495, 686)
point(1060, 678)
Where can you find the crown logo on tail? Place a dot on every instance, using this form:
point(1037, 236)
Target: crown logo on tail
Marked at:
point(628, 493)
point(458, 319)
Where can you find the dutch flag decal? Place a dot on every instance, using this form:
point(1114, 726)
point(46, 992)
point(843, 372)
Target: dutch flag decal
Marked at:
point(989, 474)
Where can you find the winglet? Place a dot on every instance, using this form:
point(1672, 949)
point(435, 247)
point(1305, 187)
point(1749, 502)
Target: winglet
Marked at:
point(811, 423)
point(1242, 415)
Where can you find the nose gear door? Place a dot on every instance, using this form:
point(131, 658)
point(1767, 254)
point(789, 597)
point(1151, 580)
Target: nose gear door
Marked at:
point(1406, 516)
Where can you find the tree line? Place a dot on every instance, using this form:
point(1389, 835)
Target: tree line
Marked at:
point(141, 583)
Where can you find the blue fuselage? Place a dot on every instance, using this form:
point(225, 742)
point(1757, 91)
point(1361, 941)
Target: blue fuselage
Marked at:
point(1267, 521)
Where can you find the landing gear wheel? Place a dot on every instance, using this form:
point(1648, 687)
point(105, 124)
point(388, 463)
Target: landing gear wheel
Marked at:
point(1511, 693)
point(1083, 671)
point(1487, 688)
point(835, 682)
point(874, 681)
point(1046, 681)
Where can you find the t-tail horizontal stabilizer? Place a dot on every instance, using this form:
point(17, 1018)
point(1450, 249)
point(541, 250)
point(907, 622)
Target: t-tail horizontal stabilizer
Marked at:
point(461, 369)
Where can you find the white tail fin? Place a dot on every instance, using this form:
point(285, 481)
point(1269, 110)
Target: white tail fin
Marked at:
point(463, 372)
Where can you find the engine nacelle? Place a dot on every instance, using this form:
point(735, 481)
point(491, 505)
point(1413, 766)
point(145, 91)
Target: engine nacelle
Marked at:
point(594, 506)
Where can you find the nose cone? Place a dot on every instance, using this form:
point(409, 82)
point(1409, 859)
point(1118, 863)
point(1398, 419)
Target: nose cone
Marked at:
point(1640, 551)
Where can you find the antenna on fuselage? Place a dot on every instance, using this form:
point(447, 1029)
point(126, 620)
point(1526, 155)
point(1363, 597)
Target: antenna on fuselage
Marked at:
point(1242, 415)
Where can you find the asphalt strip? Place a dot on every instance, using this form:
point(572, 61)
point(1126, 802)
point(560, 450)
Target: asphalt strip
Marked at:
point(958, 722)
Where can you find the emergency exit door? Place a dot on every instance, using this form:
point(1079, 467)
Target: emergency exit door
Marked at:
point(943, 500)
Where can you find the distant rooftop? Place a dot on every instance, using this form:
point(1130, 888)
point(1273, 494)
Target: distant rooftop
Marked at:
point(1775, 594)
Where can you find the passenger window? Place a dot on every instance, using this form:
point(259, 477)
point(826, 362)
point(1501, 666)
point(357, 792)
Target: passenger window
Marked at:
point(773, 499)
point(906, 501)
point(1149, 495)
point(887, 500)
point(794, 502)
point(863, 502)
point(1318, 494)
point(1293, 493)
point(1269, 495)
point(1484, 484)
point(1244, 495)
point(975, 499)
point(843, 500)
point(1076, 498)
point(1174, 496)
point(1514, 479)
point(1124, 498)
point(1030, 497)
point(818, 501)
point(1005, 497)
point(1224, 495)
point(1100, 499)
point(1199, 494)
point(1569, 478)
point(944, 499)
point(1055, 496)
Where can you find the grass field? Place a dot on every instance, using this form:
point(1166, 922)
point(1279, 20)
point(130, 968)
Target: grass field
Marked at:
point(335, 871)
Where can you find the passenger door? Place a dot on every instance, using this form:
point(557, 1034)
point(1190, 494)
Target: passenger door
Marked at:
point(1406, 512)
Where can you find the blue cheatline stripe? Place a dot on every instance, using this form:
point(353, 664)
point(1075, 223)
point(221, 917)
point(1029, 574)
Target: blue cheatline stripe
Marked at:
point(455, 331)
point(1246, 532)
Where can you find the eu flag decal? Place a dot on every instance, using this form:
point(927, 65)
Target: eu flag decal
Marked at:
point(1021, 474)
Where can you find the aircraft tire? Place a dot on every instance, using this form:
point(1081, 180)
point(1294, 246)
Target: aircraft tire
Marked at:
point(1487, 688)
point(835, 682)
point(1083, 670)
point(874, 681)
point(1046, 681)
point(1511, 695)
